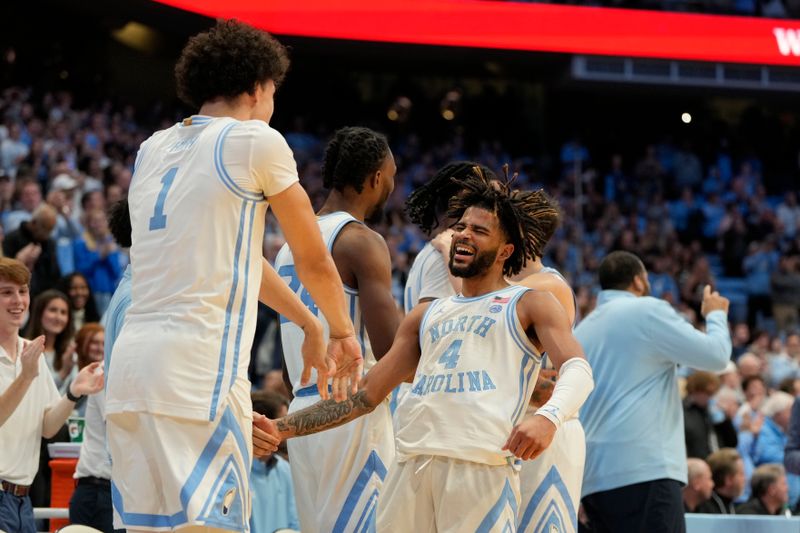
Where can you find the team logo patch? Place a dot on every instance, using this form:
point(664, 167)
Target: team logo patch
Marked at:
point(495, 308)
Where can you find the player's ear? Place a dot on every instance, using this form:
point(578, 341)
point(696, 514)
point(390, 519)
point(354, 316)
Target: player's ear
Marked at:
point(505, 251)
point(375, 179)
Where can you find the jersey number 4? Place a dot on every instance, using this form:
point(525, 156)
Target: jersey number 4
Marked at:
point(450, 356)
point(159, 219)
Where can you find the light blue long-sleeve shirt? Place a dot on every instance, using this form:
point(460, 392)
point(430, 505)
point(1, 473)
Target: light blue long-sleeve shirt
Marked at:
point(114, 317)
point(273, 497)
point(634, 418)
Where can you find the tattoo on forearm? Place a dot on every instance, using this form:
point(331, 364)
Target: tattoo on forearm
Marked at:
point(325, 415)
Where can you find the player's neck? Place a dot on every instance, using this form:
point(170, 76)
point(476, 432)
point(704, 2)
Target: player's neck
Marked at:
point(482, 284)
point(343, 201)
point(223, 108)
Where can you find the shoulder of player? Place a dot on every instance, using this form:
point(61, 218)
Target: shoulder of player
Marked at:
point(360, 239)
point(256, 131)
point(545, 281)
point(536, 303)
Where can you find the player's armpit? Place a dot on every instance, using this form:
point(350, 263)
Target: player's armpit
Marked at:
point(541, 312)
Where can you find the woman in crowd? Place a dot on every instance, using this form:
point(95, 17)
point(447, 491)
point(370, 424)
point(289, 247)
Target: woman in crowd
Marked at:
point(51, 317)
point(89, 347)
point(81, 299)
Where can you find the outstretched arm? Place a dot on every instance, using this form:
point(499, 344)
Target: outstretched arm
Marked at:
point(397, 365)
point(275, 293)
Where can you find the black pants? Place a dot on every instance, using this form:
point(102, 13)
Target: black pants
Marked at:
point(90, 505)
point(649, 507)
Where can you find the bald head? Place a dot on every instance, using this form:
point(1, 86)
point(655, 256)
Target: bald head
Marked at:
point(43, 221)
point(699, 485)
point(749, 365)
point(697, 468)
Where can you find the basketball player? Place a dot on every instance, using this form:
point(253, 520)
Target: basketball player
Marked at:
point(429, 277)
point(474, 358)
point(178, 399)
point(338, 474)
point(551, 483)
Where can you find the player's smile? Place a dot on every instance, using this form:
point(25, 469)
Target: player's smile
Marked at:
point(462, 252)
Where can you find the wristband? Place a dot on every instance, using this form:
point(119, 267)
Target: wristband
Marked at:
point(574, 384)
point(70, 397)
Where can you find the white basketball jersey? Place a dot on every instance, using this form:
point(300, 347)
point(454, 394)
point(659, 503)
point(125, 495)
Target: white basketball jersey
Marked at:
point(475, 375)
point(427, 278)
point(291, 335)
point(197, 205)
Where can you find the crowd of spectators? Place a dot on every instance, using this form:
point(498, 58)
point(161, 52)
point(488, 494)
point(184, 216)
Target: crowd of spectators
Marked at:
point(693, 221)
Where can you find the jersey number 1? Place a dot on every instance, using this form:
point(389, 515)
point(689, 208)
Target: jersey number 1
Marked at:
point(159, 219)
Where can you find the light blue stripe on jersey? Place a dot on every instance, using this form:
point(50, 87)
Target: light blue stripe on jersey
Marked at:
point(228, 425)
point(225, 178)
point(336, 230)
point(531, 359)
point(223, 350)
point(373, 467)
point(424, 322)
point(408, 304)
point(243, 308)
point(506, 498)
point(552, 479)
point(114, 317)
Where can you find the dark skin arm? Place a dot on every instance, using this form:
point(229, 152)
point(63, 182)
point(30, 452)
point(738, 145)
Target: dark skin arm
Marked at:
point(545, 281)
point(399, 364)
point(363, 261)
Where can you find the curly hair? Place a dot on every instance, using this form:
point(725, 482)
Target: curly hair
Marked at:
point(528, 218)
point(228, 60)
point(428, 202)
point(351, 156)
point(119, 223)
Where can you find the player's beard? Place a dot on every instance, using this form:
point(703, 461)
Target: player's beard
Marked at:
point(481, 262)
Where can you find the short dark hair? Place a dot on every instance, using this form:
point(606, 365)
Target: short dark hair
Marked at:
point(723, 463)
point(228, 60)
point(268, 403)
point(353, 154)
point(764, 477)
point(119, 223)
point(527, 218)
point(750, 379)
point(618, 269)
point(430, 201)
